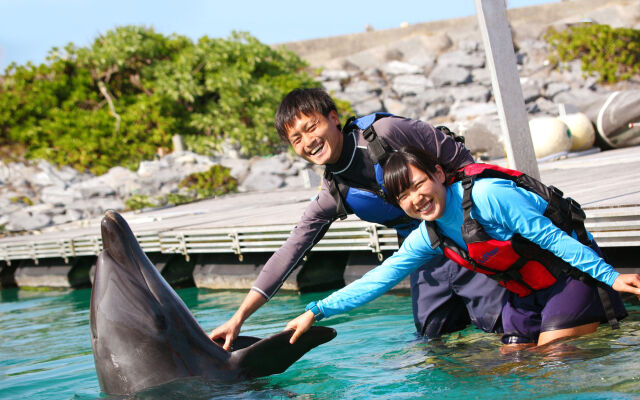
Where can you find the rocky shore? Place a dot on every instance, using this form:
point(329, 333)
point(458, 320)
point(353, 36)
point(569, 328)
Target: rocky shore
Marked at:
point(440, 78)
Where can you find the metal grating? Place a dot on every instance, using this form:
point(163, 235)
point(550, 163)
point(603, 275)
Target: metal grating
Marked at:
point(612, 227)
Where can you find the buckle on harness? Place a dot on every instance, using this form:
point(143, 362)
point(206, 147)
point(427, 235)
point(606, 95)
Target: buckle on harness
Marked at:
point(369, 133)
point(556, 191)
point(577, 213)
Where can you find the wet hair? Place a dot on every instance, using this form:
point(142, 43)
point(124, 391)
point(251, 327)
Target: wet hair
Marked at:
point(396, 170)
point(302, 101)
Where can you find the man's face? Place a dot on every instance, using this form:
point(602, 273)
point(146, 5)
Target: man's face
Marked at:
point(316, 138)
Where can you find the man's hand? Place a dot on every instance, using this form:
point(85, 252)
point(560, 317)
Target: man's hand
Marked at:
point(627, 283)
point(300, 325)
point(227, 331)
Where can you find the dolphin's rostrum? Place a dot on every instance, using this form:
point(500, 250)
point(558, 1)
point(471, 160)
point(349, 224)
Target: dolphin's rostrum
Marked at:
point(143, 334)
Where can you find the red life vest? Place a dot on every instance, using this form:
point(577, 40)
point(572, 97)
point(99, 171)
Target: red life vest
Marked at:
point(518, 264)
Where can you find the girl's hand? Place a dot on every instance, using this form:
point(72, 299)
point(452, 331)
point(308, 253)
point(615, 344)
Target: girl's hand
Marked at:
point(300, 325)
point(627, 283)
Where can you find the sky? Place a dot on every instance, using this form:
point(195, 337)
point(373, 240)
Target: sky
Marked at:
point(30, 28)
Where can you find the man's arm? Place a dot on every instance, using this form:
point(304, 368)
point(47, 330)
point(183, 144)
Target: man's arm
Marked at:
point(314, 223)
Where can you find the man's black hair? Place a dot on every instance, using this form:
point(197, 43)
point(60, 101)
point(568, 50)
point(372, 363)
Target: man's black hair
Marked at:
point(302, 101)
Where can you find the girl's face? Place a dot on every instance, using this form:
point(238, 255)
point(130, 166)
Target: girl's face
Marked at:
point(425, 198)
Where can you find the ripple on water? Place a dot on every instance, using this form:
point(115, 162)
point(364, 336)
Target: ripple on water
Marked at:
point(45, 352)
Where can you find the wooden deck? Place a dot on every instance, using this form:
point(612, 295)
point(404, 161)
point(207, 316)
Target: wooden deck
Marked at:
point(607, 184)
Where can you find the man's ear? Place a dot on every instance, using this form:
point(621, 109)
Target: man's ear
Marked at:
point(334, 118)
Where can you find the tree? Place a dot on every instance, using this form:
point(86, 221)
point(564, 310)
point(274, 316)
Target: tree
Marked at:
point(120, 99)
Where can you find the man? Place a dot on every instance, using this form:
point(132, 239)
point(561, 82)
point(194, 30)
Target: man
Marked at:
point(445, 296)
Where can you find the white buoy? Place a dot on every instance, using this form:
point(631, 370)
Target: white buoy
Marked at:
point(582, 132)
point(550, 136)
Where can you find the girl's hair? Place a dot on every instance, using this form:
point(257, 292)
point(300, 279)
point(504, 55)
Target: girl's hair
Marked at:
point(396, 170)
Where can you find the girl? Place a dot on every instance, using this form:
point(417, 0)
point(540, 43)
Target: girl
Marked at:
point(489, 224)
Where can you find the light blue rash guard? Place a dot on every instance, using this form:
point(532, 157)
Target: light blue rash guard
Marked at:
point(503, 209)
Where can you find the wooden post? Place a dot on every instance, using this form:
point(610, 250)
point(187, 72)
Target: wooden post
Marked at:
point(498, 46)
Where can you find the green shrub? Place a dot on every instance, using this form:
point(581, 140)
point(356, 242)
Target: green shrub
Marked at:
point(139, 201)
point(612, 54)
point(214, 182)
point(119, 100)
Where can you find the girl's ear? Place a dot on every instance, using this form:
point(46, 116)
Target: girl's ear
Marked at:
point(440, 175)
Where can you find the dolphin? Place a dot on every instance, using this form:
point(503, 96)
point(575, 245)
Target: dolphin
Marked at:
point(143, 334)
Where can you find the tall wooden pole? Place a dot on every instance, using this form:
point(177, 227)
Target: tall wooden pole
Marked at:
point(498, 45)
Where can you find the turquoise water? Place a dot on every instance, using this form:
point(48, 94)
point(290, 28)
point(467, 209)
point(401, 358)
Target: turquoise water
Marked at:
point(45, 353)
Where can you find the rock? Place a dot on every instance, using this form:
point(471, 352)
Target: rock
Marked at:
point(279, 164)
point(56, 195)
point(434, 110)
point(475, 93)
point(462, 110)
point(239, 167)
point(371, 58)
point(97, 191)
point(547, 107)
point(554, 88)
point(261, 181)
point(24, 221)
point(482, 76)
point(469, 45)
point(68, 216)
point(530, 89)
point(334, 75)
point(405, 85)
point(122, 180)
point(433, 95)
point(395, 107)
point(310, 178)
point(359, 87)
point(400, 68)
point(461, 58)
point(46, 178)
point(148, 168)
point(332, 86)
point(367, 106)
point(446, 75)
point(483, 136)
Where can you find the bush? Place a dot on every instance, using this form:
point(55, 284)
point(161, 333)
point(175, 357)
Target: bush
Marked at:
point(214, 182)
point(612, 54)
point(139, 201)
point(119, 100)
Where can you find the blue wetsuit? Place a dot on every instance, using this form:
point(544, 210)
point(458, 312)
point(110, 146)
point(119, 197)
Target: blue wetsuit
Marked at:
point(503, 209)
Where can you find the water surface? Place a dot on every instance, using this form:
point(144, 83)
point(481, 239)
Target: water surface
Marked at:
point(45, 353)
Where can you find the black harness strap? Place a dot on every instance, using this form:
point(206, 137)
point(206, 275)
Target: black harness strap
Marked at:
point(609, 311)
point(341, 210)
point(378, 148)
